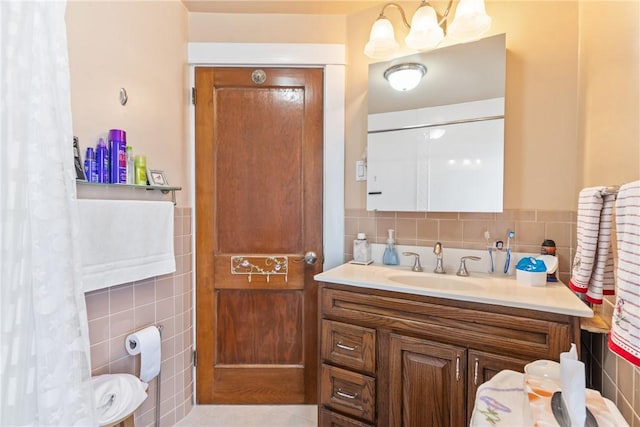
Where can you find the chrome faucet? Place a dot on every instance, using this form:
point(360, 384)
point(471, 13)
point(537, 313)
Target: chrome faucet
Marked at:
point(462, 270)
point(437, 249)
point(416, 263)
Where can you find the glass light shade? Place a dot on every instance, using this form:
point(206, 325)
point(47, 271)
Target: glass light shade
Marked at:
point(404, 77)
point(471, 21)
point(382, 41)
point(425, 32)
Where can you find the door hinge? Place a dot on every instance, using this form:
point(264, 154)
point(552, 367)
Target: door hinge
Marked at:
point(195, 358)
point(193, 95)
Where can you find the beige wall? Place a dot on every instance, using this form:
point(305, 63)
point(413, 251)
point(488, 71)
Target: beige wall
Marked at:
point(141, 46)
point(274, 28)
point(610, 91)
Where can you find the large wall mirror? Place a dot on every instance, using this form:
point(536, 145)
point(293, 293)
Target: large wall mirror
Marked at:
point(440, 146)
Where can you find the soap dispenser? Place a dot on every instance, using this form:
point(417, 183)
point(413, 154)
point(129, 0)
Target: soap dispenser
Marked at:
point(390, 256)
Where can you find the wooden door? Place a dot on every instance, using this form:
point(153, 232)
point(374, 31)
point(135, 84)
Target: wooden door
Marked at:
point(426, 383)
point(482, 367)
point(258, 211)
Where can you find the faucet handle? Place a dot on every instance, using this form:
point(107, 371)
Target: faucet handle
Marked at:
point(462, 270)
point(416, 262)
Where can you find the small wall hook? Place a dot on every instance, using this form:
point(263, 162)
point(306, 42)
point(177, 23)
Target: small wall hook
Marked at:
point(123, 96)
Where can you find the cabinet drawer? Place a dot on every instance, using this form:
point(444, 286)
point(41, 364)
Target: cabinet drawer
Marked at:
point(331, 419)
point(348, 392)
point(349, 346)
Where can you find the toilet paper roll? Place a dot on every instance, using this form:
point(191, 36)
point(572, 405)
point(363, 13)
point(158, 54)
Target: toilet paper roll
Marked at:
point(146, 343)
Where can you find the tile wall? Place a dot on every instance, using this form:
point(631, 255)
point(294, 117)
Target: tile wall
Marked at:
point(466, 230)
point(617, 379)
point(164, 300)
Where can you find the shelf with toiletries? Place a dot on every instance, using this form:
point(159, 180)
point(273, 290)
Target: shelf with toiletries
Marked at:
point(118, 190)
point(110, 167)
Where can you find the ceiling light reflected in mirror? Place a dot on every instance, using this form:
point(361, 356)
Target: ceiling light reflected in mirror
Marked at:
point(404, 77)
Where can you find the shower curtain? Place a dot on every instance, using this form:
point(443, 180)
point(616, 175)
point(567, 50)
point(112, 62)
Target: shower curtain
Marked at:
point(44, 345)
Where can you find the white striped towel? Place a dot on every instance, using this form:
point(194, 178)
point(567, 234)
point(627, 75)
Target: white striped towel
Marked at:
point(624, 338)
point(592, 271)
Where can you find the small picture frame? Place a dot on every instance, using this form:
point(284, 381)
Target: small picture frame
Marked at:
point(156, 177)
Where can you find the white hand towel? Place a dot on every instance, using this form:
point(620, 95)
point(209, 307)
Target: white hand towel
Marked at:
point(624, 338)
point(572, 386)
point(116, 396)
point(123, 241)
point(592, 271)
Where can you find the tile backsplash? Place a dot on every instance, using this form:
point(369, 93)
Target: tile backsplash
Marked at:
point(164, 300)
point(466, 230)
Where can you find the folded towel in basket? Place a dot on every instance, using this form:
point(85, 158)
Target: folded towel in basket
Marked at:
point(116, 396)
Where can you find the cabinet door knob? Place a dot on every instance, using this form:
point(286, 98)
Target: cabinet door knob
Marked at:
point(457, 368)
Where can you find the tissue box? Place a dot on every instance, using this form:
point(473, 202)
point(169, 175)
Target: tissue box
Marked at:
point(531, 278)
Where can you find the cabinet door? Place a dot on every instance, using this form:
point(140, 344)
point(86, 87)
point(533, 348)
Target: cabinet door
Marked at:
point(331, 419)
point(426, 383)
point(483, 366)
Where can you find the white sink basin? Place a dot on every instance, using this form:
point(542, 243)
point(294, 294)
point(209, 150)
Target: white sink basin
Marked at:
point(439, 282)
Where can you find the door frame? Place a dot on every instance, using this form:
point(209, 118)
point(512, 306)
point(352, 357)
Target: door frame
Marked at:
point(330, 57)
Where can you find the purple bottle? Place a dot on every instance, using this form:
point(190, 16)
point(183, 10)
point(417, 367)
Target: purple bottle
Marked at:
point(102, 162)
point(118, 156)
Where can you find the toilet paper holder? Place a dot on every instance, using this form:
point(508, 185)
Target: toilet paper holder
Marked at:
point(133, 344)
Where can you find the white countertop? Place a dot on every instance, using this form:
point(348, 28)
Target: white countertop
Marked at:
point(478, 287)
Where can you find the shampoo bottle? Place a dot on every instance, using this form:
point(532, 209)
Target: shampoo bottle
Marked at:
point(90, 167)
point(102, 162)
point(131, 175)
point(140, 170)
point(118, 156)
point(390, 256)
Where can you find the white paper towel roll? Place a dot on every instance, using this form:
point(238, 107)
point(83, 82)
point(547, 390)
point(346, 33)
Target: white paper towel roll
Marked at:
point(146, 343)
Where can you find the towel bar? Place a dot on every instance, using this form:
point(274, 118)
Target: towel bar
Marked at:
point(123, 187)
point(612, 189)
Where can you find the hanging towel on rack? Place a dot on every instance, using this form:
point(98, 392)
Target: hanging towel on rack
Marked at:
point(125, 241)
point(592, 271)
point(624, 338)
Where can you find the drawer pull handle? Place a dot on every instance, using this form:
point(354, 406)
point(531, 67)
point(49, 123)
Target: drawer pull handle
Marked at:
point(346, 347)
point(346, 395)
point(458, 368)
point(475, 373)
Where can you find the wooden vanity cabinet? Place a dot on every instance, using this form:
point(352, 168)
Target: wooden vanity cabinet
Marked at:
point(395, 359)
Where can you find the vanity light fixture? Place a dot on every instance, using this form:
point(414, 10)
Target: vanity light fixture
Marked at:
point(407, 76)
point(427, 29)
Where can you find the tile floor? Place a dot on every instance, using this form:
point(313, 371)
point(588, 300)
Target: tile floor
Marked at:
point(251, 416)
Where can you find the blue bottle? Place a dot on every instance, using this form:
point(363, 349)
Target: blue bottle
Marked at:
point(117, 156)
point(90, 167)
point(102, 162)
point(390, 256)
